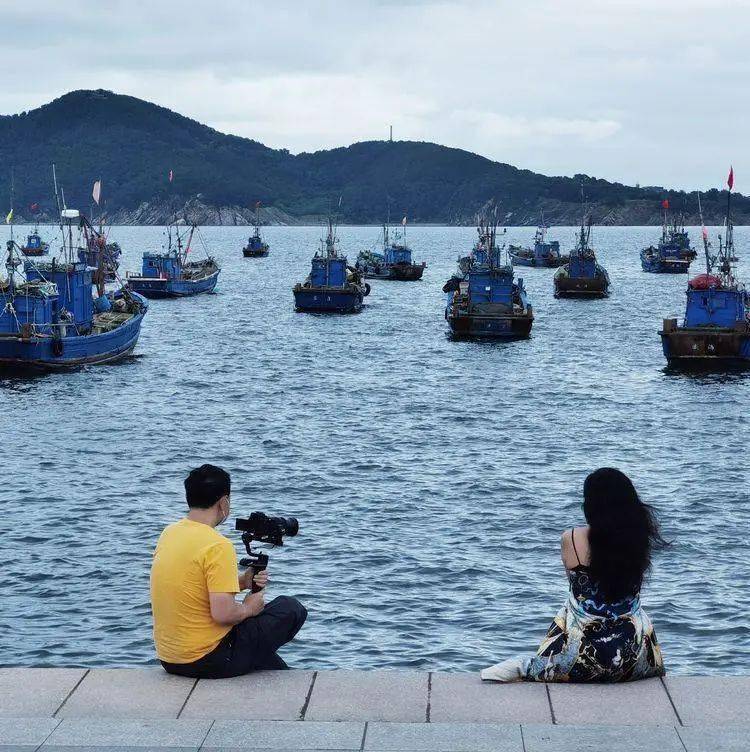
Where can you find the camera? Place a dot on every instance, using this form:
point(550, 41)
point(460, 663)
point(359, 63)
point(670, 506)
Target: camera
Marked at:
point(260, 528)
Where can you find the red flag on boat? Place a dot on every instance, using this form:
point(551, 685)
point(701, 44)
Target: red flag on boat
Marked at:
point(170, 176)
point(730, 179)
point(403, 221)
point(705, 234)
point(665, 204)
point(34, 207)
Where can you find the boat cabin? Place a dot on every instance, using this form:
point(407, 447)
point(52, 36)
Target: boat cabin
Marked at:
point(708, 304)
point(493, 286)
point(73, 282)
point(33, 242)
point(397, 254)
point(161, 266)
point(328, 272)
point(582, 264)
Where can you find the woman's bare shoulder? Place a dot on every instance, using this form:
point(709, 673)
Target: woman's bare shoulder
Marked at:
point(575, 552)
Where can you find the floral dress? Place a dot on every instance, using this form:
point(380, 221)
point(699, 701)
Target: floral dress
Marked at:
point(591, 640)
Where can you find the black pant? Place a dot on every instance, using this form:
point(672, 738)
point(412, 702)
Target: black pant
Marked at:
point(250, 645)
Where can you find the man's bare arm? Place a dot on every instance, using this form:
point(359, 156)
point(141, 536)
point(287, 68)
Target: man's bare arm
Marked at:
point(227, 611)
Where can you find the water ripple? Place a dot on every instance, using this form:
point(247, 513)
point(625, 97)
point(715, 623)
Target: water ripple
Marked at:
point(432, 478)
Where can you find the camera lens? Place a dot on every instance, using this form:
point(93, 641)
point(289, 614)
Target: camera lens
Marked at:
point(290, 525)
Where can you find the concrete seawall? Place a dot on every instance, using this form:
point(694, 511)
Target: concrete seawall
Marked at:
point(351, 711)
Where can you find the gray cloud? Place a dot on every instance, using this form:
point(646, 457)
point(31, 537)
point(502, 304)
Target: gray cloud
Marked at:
point(629, 90)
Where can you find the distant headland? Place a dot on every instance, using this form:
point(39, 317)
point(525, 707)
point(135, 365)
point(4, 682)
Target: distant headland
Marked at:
point(131, 145)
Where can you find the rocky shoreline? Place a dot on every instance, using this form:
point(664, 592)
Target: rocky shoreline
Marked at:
point(633, 213)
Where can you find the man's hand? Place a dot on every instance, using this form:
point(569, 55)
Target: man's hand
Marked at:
point(247, 579)
point(253, 604)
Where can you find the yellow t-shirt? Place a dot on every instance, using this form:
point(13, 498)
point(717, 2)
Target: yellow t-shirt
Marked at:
point(191, 560)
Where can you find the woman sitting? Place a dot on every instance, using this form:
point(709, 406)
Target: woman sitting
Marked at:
point(601, 634)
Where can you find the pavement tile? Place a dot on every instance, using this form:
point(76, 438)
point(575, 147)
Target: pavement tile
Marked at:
point(113, 732)
point(35, 692)
point(284, 735)
point(369, 696)
point(466, 698)
point(443, 737)
point(261, 696)
point(627, 703)
point(106, 748)
point(710, 700)
point(128, 693)
point(601, 739)
point(25, 732)
point(715, 739)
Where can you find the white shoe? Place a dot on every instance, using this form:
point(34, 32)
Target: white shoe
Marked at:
point(506, 671)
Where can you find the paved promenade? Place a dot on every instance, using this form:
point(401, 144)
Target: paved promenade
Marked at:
point(134, 710)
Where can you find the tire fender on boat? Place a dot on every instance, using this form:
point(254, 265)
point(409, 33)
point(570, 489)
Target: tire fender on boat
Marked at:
point(57, 347)
point(367, 289)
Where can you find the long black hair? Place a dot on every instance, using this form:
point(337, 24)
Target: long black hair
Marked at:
point(623, 531)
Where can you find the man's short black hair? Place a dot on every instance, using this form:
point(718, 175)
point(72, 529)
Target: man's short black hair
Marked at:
point(205, 485)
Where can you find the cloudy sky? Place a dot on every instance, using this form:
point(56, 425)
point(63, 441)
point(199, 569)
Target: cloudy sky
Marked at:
point(640, 91)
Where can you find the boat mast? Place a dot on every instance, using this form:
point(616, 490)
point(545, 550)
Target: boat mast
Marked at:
point(11, 262)
point(727, 251)
point(704, 233)
point(59, 210)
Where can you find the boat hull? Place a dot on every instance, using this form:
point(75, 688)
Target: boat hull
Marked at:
point(155, 287)
point(490, 327)
point(36, 252)
point(664, 265)
point(536, 262)
point(705, 346)
point(396, 272)
point(250, 253)
point(327, 299)
point(581, 287)
point(46, 353)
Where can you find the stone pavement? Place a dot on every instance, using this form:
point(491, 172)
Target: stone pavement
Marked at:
point(135, 710)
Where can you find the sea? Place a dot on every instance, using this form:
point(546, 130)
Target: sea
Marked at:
point(432, 478)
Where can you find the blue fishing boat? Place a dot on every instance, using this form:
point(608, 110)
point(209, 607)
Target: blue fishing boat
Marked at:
point(544, 253)
point(53, 316)
point(34, 245)
point(170, 274)
point(716, 327)
point(582, 276)
point(331, 286)
point(395, 262)
point(673, 254)
point(485, 301)
point(256, 247)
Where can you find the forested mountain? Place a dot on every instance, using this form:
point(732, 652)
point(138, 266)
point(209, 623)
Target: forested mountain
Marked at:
point(132, 145)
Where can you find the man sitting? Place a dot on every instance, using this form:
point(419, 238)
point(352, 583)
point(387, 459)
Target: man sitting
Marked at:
point(200, 629)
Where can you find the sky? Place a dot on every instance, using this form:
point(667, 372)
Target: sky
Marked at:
point(649, 92)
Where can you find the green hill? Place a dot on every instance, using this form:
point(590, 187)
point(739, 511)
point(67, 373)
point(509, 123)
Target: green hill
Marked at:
point(132, 145)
